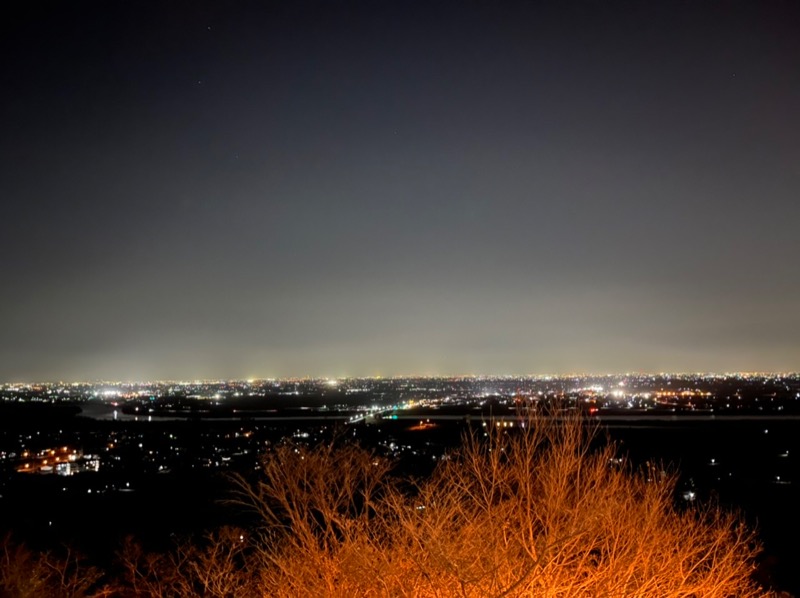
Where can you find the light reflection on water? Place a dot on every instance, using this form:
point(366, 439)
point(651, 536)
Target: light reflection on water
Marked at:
point(100, 411)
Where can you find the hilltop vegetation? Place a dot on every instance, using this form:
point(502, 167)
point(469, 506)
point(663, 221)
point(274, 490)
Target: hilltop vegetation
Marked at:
point(537, 510)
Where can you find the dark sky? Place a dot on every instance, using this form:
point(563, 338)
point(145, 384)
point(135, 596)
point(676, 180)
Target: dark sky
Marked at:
point(236, 189)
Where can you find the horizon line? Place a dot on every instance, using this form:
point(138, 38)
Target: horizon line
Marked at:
point(306, 378)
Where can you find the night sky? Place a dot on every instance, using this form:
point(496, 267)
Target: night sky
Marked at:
point(236, 189)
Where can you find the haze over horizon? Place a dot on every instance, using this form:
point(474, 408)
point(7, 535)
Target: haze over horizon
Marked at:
point(255, 189)
point(463, 376)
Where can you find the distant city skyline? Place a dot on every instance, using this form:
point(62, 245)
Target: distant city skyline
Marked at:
point(252, 189)
point(336, 380)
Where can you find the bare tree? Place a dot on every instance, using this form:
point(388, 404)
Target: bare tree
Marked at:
point(323, 515)
point(536, 511)
point(540, 509)
point(215, 566)
point(25, 573)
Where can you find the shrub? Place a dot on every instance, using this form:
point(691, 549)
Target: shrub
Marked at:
point(537, 511)
point(28, 574)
